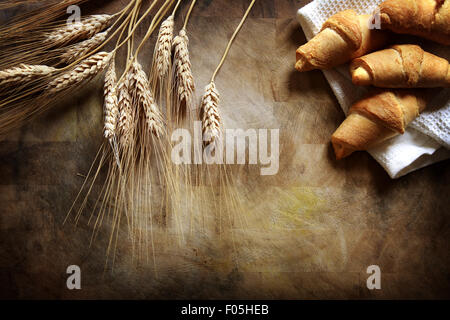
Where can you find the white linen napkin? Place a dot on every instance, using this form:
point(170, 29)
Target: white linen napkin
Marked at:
point(427, 139)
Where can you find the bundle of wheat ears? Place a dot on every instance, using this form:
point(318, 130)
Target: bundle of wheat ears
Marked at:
point(43, 59)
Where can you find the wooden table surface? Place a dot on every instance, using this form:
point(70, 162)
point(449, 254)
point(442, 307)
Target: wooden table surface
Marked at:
point(313, 230)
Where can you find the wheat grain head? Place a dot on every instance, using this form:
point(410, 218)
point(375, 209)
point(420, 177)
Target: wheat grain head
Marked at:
point(79, 50)
point(111, 107)
point(183, 74)
point(211, 122)
point(163, 49)
point(84, 71)
point(144, 96)
point(125, 121)
point(80, 30)
point(24, 73)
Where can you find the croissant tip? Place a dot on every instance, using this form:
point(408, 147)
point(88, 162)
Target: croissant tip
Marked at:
point(299, 65)
point(340, 150)
point(302, 64)
point(361, 77)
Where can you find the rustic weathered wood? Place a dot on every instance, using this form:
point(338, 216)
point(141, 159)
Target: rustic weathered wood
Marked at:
point(311, 231)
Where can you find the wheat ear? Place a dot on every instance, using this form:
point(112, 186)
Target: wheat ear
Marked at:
point(163, 50)
point(211, 122)
point(153, 116)
point(182, 64)
point(125, 123)
point(79, 50)
point(111, 106)
point(83, 29)
point(84, 71)
point(24, 73)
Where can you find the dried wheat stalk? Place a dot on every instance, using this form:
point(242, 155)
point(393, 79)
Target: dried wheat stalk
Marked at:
point(111, 107)
point(182, 65)
point(163, 50)
point(24, 73)
point(79, 50)
point(153, 116)
point(85, 70)
point(83, 29)
point(125, 122)
point(211, 121)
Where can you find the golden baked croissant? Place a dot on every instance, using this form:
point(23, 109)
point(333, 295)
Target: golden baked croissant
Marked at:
point(379, 116)
point(344, 36)
point(429, 19)
point(401, 66)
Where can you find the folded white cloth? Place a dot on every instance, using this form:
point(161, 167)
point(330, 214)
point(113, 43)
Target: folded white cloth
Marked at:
point(427, 139)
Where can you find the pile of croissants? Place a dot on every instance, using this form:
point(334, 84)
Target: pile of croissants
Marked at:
point(391, 105)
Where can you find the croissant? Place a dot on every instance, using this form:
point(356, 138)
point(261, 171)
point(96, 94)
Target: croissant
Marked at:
point(429, 19)
point(401, 66)
point(376, 118)
point(344, 36)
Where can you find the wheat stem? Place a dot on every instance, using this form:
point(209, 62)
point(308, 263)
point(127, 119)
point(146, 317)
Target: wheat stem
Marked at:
point(176, 7)
point(157, 18)
point(146, 13)
point(227, 49)
point(188, 15)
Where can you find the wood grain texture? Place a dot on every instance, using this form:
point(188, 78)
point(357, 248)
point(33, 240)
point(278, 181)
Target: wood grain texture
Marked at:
point(311, 230)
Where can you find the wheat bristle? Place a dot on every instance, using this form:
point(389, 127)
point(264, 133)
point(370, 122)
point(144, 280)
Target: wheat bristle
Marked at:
point(183, 73)
point(79, 50)
point(24, 73)
point(211, 121)
point(84, 71)
point(163, 51)
point(144, 96)
point(80, 30)
point(111, 108)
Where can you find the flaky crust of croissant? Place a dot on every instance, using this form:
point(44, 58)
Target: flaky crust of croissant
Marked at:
point(347, 26)
point(376, 118)
point(401, 66)
point(429, 19)
point(344, 36)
